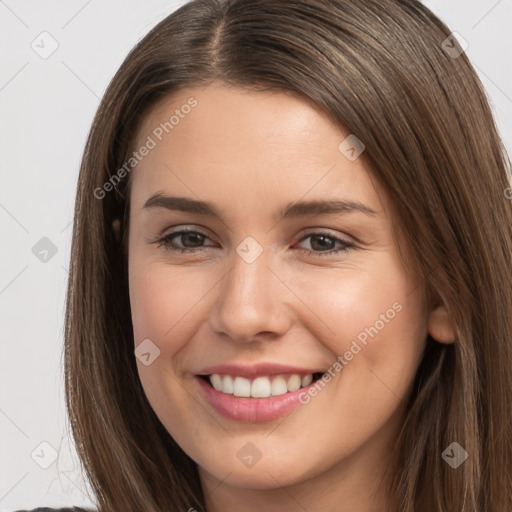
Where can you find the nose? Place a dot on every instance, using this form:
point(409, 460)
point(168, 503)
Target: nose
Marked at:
point(252, 302)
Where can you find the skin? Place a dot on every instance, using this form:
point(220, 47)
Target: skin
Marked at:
point(250, 153)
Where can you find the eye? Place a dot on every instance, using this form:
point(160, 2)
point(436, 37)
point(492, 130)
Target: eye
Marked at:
point(326, 240)
point(191, 241)
point(185, 235)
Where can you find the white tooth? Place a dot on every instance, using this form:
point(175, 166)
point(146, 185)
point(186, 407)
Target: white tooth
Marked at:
point(260, 387)
point(293, 382)
point(307, 380)
point(216, 381)
point(278, 386)
point(242, 387)
point(227, 384)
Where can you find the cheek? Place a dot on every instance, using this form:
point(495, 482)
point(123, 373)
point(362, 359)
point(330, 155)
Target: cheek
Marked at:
point(374, 313)
point(149, 305)
point(377, 304)
point(375, 320)
point(162, 304)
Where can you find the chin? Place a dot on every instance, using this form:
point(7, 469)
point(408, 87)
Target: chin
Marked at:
point(262, 476)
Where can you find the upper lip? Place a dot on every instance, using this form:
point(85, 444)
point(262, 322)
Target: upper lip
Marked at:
point(257, 370)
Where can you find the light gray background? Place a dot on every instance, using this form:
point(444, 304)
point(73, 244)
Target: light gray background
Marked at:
point(47, 106)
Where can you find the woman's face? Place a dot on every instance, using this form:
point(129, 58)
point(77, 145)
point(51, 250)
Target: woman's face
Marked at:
point(262, 299)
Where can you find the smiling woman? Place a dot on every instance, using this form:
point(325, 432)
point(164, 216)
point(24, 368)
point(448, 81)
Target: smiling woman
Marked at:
point(297, 294)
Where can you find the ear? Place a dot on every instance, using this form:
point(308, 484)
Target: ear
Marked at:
point(440, 326)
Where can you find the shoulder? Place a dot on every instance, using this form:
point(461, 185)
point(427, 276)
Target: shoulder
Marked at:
point(68, 509)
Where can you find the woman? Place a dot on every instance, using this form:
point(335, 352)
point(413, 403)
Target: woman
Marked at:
point(340, 336)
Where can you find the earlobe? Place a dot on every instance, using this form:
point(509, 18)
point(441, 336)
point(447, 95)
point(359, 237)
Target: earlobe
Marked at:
point(440, 326)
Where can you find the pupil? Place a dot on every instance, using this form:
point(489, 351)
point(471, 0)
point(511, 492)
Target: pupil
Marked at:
point(321, 237)
point(191, 235)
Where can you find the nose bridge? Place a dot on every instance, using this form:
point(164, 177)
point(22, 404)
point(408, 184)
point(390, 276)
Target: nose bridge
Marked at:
point(251, 297)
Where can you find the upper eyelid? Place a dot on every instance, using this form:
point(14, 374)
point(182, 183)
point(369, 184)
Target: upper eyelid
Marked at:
point(183, 230)
point(309, 232)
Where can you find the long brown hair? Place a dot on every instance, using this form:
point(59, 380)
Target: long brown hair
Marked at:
point(382, 69)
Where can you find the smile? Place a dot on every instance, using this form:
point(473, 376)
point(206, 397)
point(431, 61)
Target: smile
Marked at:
point(255, 393)
point(262, 386)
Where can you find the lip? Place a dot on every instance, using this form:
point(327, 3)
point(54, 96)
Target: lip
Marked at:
point(253, 410)
point(257, 370)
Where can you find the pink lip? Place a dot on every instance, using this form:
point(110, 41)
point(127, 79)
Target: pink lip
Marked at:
point(257, 370)
point(251, 409)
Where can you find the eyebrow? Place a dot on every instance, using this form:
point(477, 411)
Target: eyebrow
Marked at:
point(291, 210)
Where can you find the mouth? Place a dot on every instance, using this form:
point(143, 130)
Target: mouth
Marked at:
point(261, 386)
point(260, 392)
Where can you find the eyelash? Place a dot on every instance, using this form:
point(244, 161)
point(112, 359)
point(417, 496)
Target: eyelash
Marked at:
point(167, 245)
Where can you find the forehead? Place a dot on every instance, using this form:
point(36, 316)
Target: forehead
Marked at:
point(246, 148)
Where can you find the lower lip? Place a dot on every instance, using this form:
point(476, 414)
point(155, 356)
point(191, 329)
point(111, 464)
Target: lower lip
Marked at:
point(251, 409)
